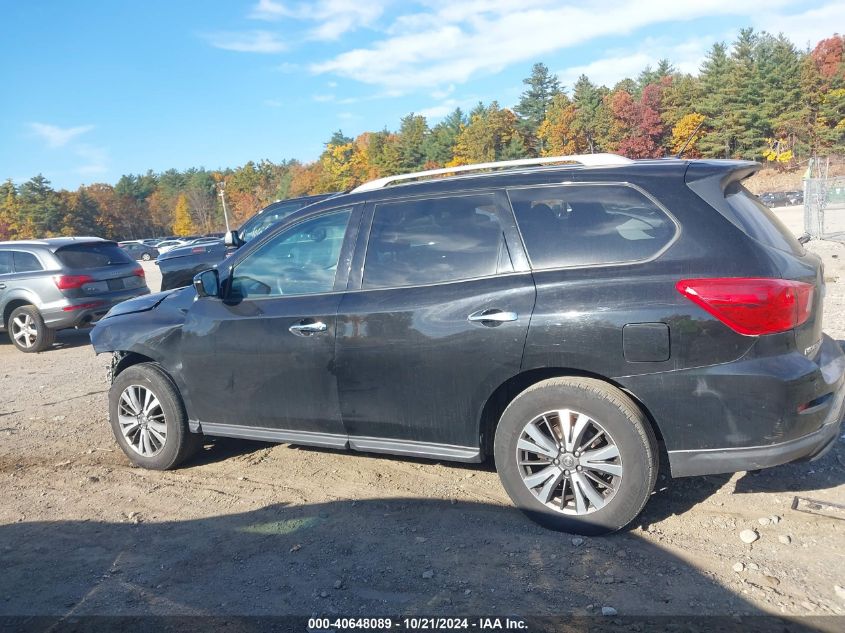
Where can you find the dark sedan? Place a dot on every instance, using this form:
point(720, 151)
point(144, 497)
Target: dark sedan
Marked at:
point(179, 265)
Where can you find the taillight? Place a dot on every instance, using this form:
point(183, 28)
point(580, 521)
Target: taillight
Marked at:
point(71, 282)
point(752, 306)
point(139, 272)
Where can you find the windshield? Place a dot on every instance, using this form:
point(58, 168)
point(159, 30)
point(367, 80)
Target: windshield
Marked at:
point(258, 223)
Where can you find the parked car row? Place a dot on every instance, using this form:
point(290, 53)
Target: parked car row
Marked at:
point(571, 322)
point(774, 199)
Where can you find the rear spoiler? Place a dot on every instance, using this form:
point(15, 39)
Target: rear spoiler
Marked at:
point(723, 172)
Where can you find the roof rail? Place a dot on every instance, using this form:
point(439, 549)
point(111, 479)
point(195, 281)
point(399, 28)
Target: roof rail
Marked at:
point(588, 160)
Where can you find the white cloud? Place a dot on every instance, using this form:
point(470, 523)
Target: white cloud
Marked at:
point(95, 160)
point(273, 103)
point(247, 41)
point(268, 10)
point(287, 67)
point(323, 98)
point(56, 136)
point(618, 64)
point(439, 111)
point(332, 18)
point(455, 41)
point(443, 93)
point(805, 28)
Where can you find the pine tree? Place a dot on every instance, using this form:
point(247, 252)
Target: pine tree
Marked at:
point(536, 100)
point(39, 207)
point(717, 140)
point(745, 121)
point(588, 100)
point(413, 131)
point(439, 145)
point(182, 223)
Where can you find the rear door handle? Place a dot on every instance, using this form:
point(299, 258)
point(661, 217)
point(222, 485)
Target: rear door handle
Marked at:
point(492, 316)
point(2, 286)
point(307, 329)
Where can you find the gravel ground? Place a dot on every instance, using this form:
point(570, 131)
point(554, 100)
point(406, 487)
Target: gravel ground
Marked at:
point(252, 528)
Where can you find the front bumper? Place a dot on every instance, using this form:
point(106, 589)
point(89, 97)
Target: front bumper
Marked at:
point(685, 463)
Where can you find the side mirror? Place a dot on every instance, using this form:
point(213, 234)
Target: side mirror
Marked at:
point(232, 239)
point(207, 283)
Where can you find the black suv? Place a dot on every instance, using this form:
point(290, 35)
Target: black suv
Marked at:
point(571, 321)
point(179, 265)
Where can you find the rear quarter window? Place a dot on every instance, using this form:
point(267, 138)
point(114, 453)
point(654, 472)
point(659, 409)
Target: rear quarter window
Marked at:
point(26, 262)
point(93, 255)
point(758, 221)
point(583, 225)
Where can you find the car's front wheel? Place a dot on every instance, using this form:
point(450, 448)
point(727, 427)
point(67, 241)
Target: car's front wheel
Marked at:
point(28, 331)
point(146, 257)
point(577, 455)
point(148, 418)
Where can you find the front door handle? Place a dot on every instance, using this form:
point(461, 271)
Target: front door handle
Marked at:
point(2, 286)
point(492, 316)
point(307, 329)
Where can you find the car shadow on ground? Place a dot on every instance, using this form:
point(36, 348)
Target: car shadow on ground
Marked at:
point(671, 497)
point(826, 472)
point(400, 556)
point(65, 339)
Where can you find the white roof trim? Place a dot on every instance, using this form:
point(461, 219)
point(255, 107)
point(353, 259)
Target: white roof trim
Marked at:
point(588, 160)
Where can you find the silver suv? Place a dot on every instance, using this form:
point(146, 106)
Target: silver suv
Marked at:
point(58, 283)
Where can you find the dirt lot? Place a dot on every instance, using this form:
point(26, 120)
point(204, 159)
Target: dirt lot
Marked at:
point(251, 528)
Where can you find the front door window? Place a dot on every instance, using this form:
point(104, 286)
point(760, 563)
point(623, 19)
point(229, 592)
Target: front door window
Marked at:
point(299, 261)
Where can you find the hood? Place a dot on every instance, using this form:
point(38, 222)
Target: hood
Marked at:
point(146, 302)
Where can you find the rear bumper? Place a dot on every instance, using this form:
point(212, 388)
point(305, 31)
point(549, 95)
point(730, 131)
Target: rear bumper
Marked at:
point(772, 406)
point(810, 445)
point(730, 460)
point(81, 312)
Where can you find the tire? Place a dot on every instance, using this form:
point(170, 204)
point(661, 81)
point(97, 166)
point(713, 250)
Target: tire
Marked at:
point(615, 435)
point(168, 440)
point(146, 257)
point(28, 331)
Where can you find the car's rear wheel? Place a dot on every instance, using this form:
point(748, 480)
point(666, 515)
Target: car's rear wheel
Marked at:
point(28, 331)
point(148, 418)
point(146, 257)
point(577, 455)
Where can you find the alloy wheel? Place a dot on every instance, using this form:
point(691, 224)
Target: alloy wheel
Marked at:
point(142, 420)
point(24, 330)
point(569, 462)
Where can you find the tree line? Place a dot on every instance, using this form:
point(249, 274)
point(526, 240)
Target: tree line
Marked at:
point(760, 98)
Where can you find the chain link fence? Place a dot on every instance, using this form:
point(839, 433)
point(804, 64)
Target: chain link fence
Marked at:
point(824, 203)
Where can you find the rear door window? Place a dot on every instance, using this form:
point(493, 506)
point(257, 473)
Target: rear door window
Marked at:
point(26, 262)
point(5, 262)
point(93, 255)
point(757, 220)
point(584, 225)
point(416, 242)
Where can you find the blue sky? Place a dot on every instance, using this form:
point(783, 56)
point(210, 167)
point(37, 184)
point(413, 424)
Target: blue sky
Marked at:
point(95, 89)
